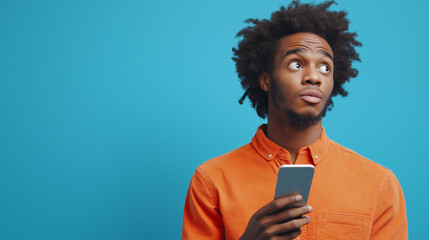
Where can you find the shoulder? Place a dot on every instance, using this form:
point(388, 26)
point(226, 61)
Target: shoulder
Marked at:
point(348, 157)
point(230, 160)
point(362, 174)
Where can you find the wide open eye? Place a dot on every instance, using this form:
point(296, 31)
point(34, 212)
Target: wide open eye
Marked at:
point(295, 65)
point(324, 69)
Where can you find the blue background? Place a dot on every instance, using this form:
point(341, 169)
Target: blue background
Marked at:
point(107, 108)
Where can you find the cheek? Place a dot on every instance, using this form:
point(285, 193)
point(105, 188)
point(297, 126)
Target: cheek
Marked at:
point(290, 80)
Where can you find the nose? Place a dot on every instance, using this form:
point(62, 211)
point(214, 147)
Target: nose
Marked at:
point(311, 77)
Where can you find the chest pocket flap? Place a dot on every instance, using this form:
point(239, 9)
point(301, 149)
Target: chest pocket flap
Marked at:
point(343, 226)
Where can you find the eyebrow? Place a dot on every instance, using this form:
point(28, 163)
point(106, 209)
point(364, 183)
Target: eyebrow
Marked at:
point(298, 50)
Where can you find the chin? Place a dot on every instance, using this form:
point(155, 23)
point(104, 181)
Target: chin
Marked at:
point(309, 112)
point(304, 119)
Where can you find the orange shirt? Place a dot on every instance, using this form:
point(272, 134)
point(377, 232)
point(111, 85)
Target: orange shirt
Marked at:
point(352, 197)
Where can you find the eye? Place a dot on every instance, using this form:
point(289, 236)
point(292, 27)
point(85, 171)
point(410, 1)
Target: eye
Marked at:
point(324, 69)
point(295, 65)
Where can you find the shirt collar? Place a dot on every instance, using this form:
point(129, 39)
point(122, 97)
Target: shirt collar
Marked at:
point(268, 149)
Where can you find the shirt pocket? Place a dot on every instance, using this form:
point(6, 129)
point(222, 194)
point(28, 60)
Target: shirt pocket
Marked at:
point(343, 226)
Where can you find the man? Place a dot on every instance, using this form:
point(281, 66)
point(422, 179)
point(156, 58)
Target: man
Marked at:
point(291, 66)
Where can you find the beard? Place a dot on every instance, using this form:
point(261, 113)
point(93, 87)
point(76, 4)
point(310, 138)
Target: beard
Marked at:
point(305, 120)
point(296, 120)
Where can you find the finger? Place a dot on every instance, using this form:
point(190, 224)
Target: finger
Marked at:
point(278, 204)
point(286, 215)
point(288, 227)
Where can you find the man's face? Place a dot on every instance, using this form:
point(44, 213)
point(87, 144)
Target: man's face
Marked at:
point(302, 81)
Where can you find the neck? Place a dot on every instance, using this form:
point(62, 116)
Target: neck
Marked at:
point(291, 138)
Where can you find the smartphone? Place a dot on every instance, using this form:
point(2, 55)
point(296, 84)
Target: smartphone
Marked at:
point(293, 179)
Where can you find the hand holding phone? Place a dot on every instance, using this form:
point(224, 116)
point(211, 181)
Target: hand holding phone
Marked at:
point(283, 217)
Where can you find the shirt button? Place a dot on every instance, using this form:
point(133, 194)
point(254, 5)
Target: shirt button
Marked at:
point(270, 155)
point(315, 156)
point(298, 238)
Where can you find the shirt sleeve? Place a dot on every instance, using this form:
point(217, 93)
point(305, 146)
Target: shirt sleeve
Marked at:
point(390, 219)
point(201, 218)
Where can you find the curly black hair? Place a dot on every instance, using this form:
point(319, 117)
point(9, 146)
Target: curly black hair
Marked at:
point(258, 46)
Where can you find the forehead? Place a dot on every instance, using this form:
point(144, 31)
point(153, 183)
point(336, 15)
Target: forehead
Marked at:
point(305, 41)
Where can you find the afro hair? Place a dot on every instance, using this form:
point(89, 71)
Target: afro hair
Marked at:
point(258, 46)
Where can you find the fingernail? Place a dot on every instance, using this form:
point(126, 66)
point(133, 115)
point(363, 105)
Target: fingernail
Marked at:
point(309, 208)
point(298, 197)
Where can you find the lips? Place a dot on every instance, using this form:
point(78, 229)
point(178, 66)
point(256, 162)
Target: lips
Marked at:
point(311, 96)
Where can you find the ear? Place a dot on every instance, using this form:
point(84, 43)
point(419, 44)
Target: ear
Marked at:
point(264, 81)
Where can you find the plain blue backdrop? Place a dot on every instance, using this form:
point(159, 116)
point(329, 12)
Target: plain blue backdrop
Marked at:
point(107, 108)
